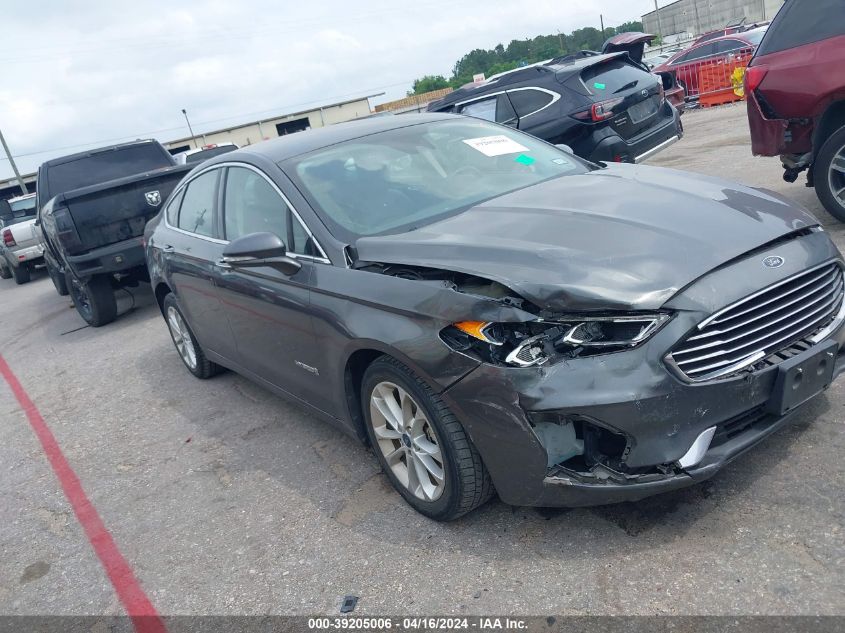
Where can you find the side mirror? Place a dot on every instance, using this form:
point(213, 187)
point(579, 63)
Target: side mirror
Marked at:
point(258, 250)
point(565, 148)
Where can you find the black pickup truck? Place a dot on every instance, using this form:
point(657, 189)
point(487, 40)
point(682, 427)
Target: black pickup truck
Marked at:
point(93, 207)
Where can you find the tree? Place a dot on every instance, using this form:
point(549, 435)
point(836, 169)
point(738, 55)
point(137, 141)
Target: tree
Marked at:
point(629, 26)
point(427, 84)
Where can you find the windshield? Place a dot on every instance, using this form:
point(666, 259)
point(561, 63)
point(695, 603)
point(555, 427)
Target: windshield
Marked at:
point(104, 166)
point(198, 157)
point(23, 206)
point(401, 179)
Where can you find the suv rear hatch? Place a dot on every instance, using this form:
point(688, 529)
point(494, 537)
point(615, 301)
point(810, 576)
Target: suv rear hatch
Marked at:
point(622, 94)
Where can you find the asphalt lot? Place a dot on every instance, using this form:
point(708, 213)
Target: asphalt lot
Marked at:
point(225, 499)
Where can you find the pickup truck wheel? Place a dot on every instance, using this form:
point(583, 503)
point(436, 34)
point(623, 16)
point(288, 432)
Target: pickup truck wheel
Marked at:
point(5, 273)
point(58, 280)
point(93, 299)
point(186, 343)
point(829, 171)
point(21, 274)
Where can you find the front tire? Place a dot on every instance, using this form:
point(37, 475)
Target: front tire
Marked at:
point(829, 174)
point(189, 349)
point(21, 274)
point(94, 299)
point(420, 445)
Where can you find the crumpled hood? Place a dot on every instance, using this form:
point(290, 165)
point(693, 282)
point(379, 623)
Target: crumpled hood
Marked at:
point(623, 238)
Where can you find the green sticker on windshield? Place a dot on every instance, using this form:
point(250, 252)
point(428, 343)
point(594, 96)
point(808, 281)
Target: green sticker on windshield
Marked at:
point(525, 160)
point(599, 86)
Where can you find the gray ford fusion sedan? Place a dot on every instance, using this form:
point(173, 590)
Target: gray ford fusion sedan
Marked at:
point(494, 315)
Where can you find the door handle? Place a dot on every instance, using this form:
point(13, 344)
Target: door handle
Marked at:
point(167, 249)
point(222, 263)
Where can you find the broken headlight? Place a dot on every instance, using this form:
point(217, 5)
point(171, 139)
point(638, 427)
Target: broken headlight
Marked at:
point(534, 343)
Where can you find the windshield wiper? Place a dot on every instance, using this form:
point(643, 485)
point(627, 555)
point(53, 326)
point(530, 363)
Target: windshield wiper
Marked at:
point(626, 86)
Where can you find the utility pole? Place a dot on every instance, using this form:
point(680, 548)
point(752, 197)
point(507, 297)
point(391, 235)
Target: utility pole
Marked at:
point(697, 19)
point(560, 39)
point(193, 138)
point(601, 17)
point(12, 163)
point(659, 26)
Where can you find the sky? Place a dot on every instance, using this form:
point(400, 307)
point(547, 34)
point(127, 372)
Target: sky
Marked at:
point(79, 75)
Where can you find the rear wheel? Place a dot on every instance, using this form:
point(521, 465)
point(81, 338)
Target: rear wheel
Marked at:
point(94, 299)
point(21, 274)
point(59, 281)
point(5, 273)
point(829, 174)
point(189, 349)
point(420, 445)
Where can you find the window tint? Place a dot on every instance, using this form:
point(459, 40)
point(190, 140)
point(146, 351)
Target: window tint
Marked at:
point(615, 76)
point(173, 208)
point(196, 215)
point(527, 101)
point(802, 22)
point(498, 109)
point(727, 46)
point(104, 166)
point(705, 50)
point(252, 205)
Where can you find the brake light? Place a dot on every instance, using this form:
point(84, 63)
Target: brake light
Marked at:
point(66, 230)
point(8, 240)
point(600, 111)
point(754, 76)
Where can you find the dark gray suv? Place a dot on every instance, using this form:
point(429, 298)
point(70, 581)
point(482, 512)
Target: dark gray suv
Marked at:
point(491, 313)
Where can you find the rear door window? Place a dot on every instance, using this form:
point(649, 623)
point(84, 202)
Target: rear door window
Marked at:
point(729, 46)
point(529, 100)
point(196, 215)
point(801, 22)
point(615, 77)
point(701, 52)
point(496, 108)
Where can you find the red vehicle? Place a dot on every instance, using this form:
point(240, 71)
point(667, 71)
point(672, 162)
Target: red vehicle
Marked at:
point(796, 96)
point(729, 51)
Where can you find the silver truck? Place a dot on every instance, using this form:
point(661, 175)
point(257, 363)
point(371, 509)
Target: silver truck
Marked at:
point(20, 248)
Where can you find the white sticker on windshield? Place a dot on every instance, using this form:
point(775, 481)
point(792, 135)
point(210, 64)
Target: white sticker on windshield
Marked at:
point(496, 145)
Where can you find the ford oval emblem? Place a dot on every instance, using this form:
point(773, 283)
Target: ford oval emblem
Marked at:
point(773, 261)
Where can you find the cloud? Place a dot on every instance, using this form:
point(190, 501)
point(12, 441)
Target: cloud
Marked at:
point(78, 74)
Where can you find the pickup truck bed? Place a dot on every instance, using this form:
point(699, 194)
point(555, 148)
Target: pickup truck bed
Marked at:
point(93, 223)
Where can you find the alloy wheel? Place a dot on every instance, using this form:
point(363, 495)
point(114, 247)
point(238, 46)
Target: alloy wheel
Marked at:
point(182, 337)
point(408, 441)
point(836, 177)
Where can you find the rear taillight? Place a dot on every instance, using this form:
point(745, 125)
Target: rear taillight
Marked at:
point(754, 76)
point(66, 230)
point(8, 240)
point(600, 111)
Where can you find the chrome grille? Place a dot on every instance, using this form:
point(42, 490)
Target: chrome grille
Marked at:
point(763, 324)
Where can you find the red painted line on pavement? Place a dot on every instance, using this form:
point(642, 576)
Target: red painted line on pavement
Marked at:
point(141, 611)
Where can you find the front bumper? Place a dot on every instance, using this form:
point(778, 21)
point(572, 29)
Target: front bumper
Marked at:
point(634, 395)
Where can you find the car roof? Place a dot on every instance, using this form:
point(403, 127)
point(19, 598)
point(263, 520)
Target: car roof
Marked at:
point(525, 74)
point(290, 145)
point(197, 150)
point(23, 197)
